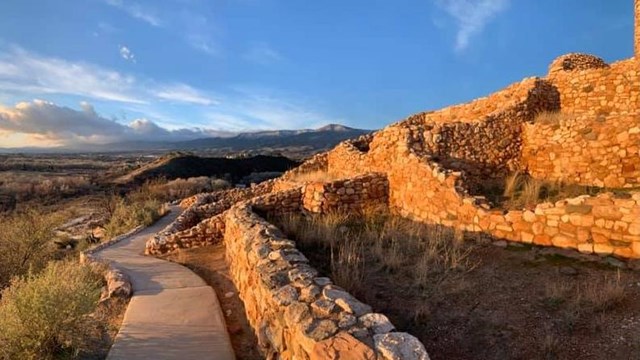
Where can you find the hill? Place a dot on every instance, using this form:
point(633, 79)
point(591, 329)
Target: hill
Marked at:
point(186, 166)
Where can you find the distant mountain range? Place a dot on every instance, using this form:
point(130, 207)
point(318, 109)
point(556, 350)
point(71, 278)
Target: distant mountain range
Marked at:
point(322, 138)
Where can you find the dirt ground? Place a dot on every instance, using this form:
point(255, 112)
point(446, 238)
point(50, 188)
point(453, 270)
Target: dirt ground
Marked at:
point(510, 302)
point(209, 263)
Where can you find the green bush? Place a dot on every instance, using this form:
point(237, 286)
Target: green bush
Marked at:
point(46, 314)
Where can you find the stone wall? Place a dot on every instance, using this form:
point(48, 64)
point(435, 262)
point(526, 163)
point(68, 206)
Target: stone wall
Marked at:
point(596, 140)
point(118, 283)
point(425, 188)
point(295, 313)
point(484, 140)
point(205, 233)
point(196, 225)
point(613, 90)
point(604, 153)
point(355, 194)
point(637, 30)
point(315, 163)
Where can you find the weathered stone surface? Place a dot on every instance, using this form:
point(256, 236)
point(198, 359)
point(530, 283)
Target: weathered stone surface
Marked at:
point(378, 323)
point(319, 330)
point(342, 347)
point(346, 301)
point(399, 346)
point(323, 307)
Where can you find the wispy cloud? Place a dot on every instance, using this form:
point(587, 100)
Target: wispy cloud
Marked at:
point(136, 11)
point(24, 74)
point(263, 54)
point(199, 33)
point(29, 73)
point(471, 17)
point(183, 93)
point(203, 43)
point(127, 54)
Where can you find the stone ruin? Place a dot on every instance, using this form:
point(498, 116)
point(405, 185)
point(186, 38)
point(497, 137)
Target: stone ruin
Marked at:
point(427, 168)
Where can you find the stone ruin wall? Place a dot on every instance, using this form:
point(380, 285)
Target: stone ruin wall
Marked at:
point(597, 140)
point(637, 30)
point(358, 193)
point(425, 190)
point(202, 218)
point(295, 313)
point(355, 194)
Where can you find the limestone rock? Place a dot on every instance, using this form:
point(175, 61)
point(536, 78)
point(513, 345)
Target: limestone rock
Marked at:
point(399, 346)
point(342, 347)
point(378, 323)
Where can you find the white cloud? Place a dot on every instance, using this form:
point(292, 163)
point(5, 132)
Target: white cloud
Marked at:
point(127, 54)
point(25, 72)
point(136, 11)
point(471, 16)
point(45, 122)
point(183, 93)
point(263, 54)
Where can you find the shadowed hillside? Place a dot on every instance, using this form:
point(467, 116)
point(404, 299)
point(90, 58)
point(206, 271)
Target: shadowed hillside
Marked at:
point(193, 166)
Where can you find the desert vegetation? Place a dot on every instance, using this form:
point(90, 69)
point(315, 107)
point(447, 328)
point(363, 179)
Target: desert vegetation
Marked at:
point(47, 314)
point(465, 298)
point(519, 190)
point(357, 243)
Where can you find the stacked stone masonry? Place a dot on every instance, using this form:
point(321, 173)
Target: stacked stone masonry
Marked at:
point(295, 313)
point(637, 30)
point(355, 194)
point(596, 142)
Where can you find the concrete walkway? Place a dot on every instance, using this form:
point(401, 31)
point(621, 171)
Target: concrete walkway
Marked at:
point(173, 313)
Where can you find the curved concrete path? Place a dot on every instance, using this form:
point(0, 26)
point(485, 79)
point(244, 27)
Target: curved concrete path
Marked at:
point(173, 313)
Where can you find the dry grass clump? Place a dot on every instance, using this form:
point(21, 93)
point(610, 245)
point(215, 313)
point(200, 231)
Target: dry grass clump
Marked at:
point(522, 191)
point(313, 176)
point(600, 296)
point(590, 299)
point(379, 241)
point(46, 315)
point(552, 118)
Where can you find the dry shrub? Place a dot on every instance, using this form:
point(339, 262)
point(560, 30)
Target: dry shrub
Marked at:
point(138, 209)
point(25, 186)
point(25, 242)
point(45, 315)
point(182, 188)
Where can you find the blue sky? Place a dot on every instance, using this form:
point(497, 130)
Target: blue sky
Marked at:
point(104, 70)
